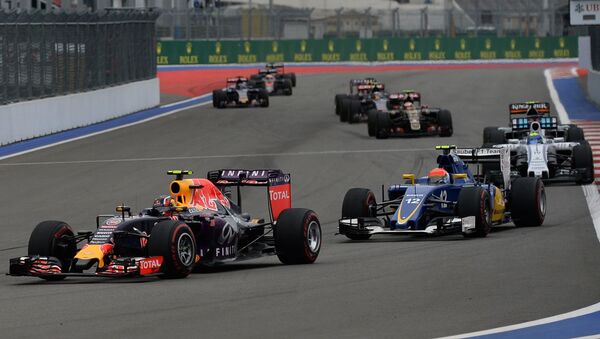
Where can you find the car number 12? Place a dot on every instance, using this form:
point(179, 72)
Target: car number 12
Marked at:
point(413, 200)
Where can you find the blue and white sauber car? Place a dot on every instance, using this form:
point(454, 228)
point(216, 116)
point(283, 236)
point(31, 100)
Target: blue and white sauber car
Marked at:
point(450, 200)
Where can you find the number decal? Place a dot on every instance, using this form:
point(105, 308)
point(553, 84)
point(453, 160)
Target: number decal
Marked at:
point(444, 196)
point(413, 200)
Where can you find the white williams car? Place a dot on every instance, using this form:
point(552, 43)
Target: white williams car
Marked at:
point(540, 147)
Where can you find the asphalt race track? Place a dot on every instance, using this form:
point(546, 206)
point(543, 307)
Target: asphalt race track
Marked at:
point(386, 287)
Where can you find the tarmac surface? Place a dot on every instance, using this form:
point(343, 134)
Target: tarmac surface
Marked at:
point(396, 287)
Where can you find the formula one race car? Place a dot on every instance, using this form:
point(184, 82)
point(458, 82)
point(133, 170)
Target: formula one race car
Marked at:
point(540, 147)
point(268, 80)
point(276, 69)
point(197, 224)
point(239, 93)
point(365, 94)
point(450, 200)
point(404, 116)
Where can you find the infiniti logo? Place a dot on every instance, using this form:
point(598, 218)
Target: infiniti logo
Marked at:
point(227, 235)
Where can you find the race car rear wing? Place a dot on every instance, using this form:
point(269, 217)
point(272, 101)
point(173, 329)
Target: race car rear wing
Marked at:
point(529, 108)
point(277, 182)
point(487, 156)
point(236, 79)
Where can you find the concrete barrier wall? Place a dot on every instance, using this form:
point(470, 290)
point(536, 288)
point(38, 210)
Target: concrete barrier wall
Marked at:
point(29, 119)
point(585, 55)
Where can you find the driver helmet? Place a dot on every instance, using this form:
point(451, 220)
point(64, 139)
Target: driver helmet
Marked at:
point(163, 201)
point(534, 138)
point(240, 84)
point(269, 77)
point(408, 105)
point(439, 176)
point(376, 95)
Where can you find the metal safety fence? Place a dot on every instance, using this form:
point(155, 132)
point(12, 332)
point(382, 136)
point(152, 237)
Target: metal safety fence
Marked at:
point(46, 54)
point(222, 20)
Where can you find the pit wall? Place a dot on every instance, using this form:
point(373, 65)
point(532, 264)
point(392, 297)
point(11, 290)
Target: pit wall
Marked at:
point(30, 119)
point(177, 52)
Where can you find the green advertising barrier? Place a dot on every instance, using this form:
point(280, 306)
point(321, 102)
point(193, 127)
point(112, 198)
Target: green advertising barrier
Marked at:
point(364, 50)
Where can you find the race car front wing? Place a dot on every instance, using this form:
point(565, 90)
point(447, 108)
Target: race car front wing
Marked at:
point(370, 226)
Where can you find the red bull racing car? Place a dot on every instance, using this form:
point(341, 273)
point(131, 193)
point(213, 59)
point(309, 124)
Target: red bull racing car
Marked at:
point(197, 224)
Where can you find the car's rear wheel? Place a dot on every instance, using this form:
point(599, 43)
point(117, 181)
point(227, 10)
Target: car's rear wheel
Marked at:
point(344, 109)
point(175, 242)
point(338, 102)
point(287, 87)
point(53, 238)
point(445, 122)
point(583, 159)
point(574, 134)
point(528, 201)
point(475, 201)
point(357, 204)
point(297, 236)
point(384, 125)
point(493, 136)
point(354, 109)
point(263, 98)
point(372, 122)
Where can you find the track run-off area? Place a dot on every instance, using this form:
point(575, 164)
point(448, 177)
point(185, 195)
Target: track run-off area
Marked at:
point(400, 287)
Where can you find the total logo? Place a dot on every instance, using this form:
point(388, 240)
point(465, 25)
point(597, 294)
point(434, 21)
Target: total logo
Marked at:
point(283, 195)
point(150, 263)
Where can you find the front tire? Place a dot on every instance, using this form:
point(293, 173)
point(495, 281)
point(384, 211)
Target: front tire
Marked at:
point(174, 241)
point(356, 204)
point(528, 201)
point(574, 134)
point(263, 98)
point(354, 109)
point(297, 236)
point(53, 238)
point(372, 122)
point(384, 125)
point(475, 201)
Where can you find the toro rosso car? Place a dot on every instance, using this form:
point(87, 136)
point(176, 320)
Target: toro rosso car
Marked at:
point(450, 200)
point(403, 115)
point(540, 147)
point(239, 93)
point(196, 224)
point(365, 94)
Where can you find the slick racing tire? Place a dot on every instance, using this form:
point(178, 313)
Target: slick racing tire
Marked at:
point(215, 102)
point(53, 238)
point(487, 131)
point(287, 87)
point(221, 99)
point(356, 204)
point(583, 159)
point(574, 134)
point(354, 109)
point(372, 122)
point(493, 136)
point(344, 109)
point(528, 201)
point(445, 122)
point(263, 98)
point(297, 236)
point(174, 241)
point(475, 201)
point(293, 79)
point(384, 124)
point(338, 102)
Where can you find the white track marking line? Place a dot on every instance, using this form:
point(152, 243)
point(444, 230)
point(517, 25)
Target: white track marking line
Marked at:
point(560, 109)
point(116, 127)
point(222, 156)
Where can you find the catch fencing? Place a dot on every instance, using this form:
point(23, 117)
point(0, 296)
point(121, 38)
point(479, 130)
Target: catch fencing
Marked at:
point(45, 54)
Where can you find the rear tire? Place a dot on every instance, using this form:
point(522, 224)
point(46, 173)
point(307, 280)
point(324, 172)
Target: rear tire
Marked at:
point(354, 109)
point(487, 131)
point(51, 239)
point(475, 201)
point(384, 124)
point(293, 79)
point(297, 236)
point(574, 134)
point(174, 241)
point(356, 205)
point(287, 87)
point(583, 158)
point(344, 109)
point(221, 99)
point(445, 122)
point(528, 201)
point(372, 122)
point(338, 102)
point(494, 137)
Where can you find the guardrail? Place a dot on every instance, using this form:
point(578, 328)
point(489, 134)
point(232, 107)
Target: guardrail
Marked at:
point(179, 52)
